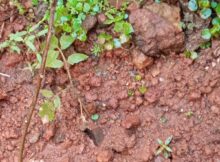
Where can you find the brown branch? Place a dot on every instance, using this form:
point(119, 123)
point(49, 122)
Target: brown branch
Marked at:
point(39, 81)
point(66, 66)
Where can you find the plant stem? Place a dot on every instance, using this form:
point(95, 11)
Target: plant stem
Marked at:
point(66, 66)
point(39, 81)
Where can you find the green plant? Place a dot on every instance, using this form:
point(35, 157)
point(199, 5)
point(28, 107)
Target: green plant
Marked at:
point(191, 54)
point(142, 89)
point(97, 49)
point(164, 147)
point(49, 106)
point(189, 114)
point(137, 77)
point(95, 117)
point(207, 9)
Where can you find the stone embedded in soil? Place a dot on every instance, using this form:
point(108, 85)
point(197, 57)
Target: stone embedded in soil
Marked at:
point(157, 29)
point(140, 60)
point(105, 156)
point(3, 95)
point(89, 22)
point(49, 132)
point(193, 96)
point(131, 121)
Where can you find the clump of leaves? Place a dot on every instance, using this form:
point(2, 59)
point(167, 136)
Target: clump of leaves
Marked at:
point(48, 108)
point(191, 54)
point(207, 9)
point(164, 147)
point(97, 49)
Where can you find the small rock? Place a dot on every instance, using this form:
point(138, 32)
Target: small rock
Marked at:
point(3, 95)
point(49, 133)
point(139, 100)
point(34, 138)
point(194, 96)
point(140, 60)
point(105, 156)
point(89, 22)
point(215, 109)
point(131, 121)
point(101, 18)
point(91, 108)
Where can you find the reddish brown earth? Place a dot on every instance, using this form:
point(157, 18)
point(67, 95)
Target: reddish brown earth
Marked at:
point(129, 126)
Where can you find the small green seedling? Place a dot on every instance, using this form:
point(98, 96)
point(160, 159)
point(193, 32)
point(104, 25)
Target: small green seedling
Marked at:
point(163, 119)
point(142, 89)
point(95, 117)
point(164, 147)
point(191, 54)
point(130, 93)
point(97, 49)
point(137, 77)
point(189, 114)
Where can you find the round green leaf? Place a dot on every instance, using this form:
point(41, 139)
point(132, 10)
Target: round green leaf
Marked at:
point(216, 21)
point(206, 34)
point(192, 5)
point(95, 117)
point(205, 13)
point(76, 58)
point(86, 7)
point(214, 4)
point(46, 93)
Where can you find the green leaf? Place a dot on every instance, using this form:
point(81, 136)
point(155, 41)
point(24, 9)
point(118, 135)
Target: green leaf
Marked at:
point(117, 43)
point(4, 44)
point(52, 60)
point(159, 151)
point(47, 112)
point(168, 148)
point(86, 7)
point(46, 93)
point(66, 41)
point(53, 42)
point(35, 2)
point(214, 4)
point(76, 58)
point(194, 55)
point(204, 3)
point(42, 33)
point(15, 48)
point(217, 9)
point(192, 5)
point(142, 89)
point(205, 13)
point(95, 117)
point(168, 140)
point(160, 141)
point(166, 154)
point(206, 34)
point(216, 21)
point(57, 102)
point(30, 45)
point(157, 1)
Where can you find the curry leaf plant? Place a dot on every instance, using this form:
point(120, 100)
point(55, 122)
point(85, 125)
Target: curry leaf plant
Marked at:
point(207, 9)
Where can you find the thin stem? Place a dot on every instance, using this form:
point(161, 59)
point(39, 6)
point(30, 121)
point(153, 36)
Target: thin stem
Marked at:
point(39, 81)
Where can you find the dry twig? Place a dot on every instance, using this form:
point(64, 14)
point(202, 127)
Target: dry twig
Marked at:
point(39, 81)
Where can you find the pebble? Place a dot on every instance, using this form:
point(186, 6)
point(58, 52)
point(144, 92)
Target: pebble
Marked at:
point(215, 109)
point(140, 60)
point(105, 156)
point(131, 121)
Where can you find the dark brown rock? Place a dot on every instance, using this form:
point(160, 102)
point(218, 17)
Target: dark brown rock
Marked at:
point(157, 29)
point(89, 22)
